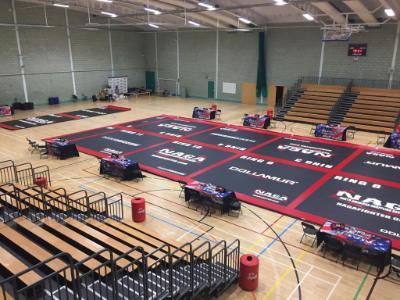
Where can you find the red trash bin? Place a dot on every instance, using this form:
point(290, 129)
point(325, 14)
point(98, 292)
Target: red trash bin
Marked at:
point(138, 206)
point(248, 277)
point(41, 182)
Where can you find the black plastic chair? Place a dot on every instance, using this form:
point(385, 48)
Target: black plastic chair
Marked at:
point(332, 245)
point(395, 264)
point(353, 253)
point(182, 186)
point(309, 231)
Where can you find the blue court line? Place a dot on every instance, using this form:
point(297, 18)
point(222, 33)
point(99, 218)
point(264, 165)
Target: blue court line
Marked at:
point(276, 239)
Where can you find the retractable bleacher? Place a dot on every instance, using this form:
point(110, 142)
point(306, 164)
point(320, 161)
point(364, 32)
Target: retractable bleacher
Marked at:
point(314, 103)
point(56, 244)
point(374, 109)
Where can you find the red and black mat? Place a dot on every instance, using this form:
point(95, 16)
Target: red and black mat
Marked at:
point(303, 177)
point(61, 117)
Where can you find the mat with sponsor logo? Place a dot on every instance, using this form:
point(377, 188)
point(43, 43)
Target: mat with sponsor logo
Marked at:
point(304, 177)
point(61, 117)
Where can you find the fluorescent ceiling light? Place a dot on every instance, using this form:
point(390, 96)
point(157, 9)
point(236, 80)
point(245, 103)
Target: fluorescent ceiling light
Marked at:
point(280, 2)
point(308, 17)
point(106, 1)
point(208, 6)
point(61, 5)
point(154, 11)
point(389, 12)
point(244, 20)
point(194, 23)
point(109, 14)
point(154, 25)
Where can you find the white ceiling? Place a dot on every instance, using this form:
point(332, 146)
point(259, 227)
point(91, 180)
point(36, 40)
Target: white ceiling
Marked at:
point(175, 14)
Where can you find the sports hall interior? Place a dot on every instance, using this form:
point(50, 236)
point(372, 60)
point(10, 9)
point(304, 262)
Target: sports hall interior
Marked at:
point(309, 62)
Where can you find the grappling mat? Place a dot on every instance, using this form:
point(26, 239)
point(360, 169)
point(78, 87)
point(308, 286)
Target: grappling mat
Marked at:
point(61, 117)
point(304, 177)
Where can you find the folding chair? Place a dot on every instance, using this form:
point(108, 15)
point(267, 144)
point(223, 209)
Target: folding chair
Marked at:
point(182, 186)
point(351, 252)
point(309, 231)
point(381, 138)
point(332, 245)
point(312, 130)
point(395, 264)
point(218, 114)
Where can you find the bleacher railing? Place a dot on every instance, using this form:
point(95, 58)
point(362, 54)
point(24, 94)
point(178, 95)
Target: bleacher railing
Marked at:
point(60, 284)
point(130, 275)
point(23, 173)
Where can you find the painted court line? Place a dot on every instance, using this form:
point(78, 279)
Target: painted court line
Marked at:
point(276, 239)
point(281, 278)
point(299, 284)
point(285, 256)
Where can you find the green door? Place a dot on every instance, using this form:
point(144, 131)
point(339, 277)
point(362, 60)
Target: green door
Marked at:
point(211, 89)
point(151, 81)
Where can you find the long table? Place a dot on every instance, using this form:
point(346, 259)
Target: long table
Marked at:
point(61, 149)
point(393, 141)
point(6, 110)
point(225, 199)
point(125, 169)
point(371, 244)
point(332, 132)
point(256, 121)
point(204, 113)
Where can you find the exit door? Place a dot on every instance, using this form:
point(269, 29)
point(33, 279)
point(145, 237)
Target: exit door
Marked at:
point(151, 81)
point(211, 89)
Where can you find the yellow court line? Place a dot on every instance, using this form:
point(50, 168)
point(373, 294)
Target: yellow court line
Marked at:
point(282, 277)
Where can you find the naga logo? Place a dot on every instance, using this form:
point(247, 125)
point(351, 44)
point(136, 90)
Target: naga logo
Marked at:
point(268, 195)
point(305, 150)
point(182, 155)
point(350, 196)
point(380, 154)
point(176, 127)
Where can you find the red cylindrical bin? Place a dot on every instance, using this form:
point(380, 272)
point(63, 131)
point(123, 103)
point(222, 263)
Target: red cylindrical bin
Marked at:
point(248, 277)
point(41, 181)
point(138, 206)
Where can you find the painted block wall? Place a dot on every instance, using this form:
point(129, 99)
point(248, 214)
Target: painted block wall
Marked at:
point(46, 55)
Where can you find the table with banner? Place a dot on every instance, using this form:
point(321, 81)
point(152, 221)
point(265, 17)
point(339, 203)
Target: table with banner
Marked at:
point(332, 132)
point(372, 245)
point(210, 195)
point(393, 141)
point(125, 169)
point(204, 113)
point(256, 121)
point(61, 148)
point(6, 110)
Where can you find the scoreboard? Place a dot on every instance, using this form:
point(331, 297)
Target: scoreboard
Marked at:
point(357, 50)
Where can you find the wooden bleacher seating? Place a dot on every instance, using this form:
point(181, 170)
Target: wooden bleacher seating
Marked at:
point(100, 237)
point(13, 265)
point(67, 233)
point(374, 110)
point(315, 104)
point(24, 244)
point(60, 244)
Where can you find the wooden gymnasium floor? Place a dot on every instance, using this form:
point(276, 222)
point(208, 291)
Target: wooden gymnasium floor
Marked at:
point(319, 278)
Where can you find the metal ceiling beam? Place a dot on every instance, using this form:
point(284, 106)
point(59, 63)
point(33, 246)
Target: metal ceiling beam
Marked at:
point(331, 11)
point(361, 10)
